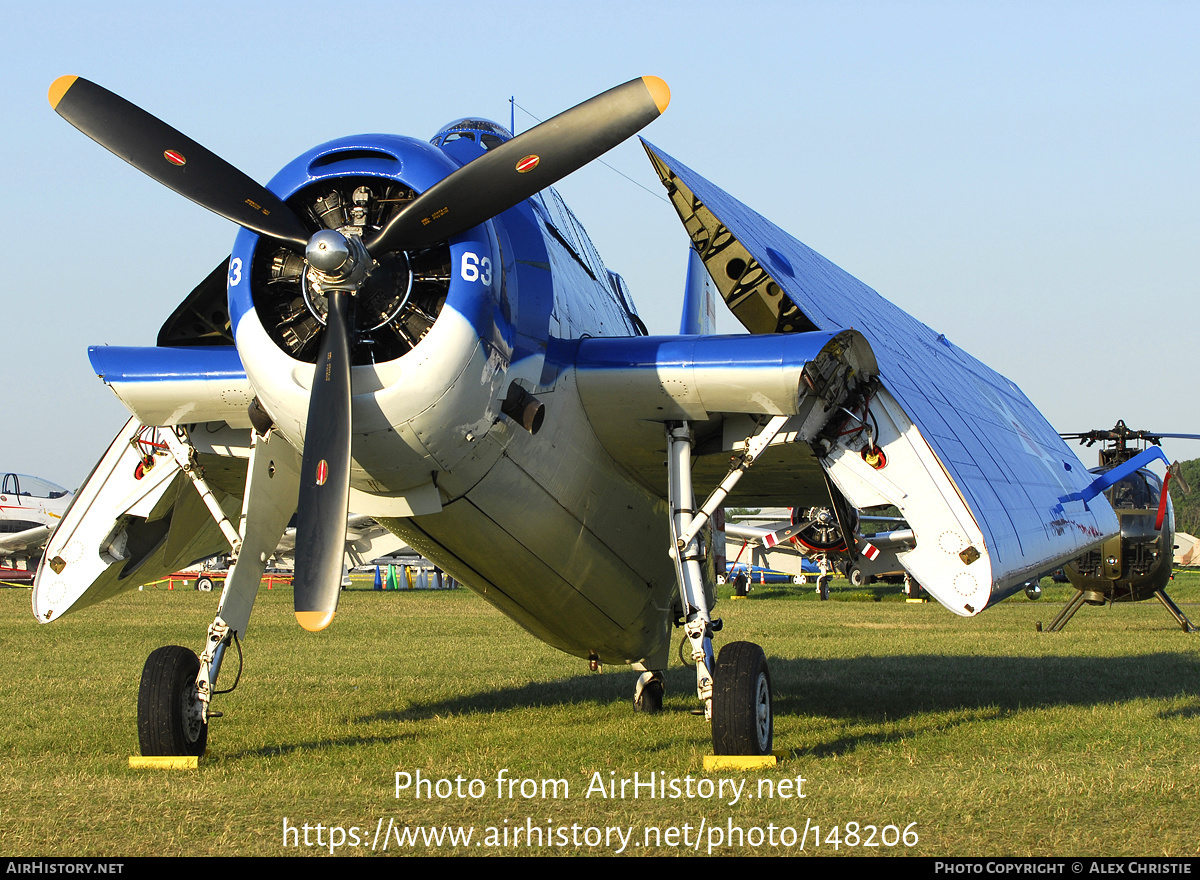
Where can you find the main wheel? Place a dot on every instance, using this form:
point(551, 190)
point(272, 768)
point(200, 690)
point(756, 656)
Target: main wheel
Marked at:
point(169, 712)
point(742, 717)
point(856, 577)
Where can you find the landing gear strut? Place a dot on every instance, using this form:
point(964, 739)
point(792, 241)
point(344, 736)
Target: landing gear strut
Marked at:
point(177, 686)
point(736, 690)
point(1092, 597)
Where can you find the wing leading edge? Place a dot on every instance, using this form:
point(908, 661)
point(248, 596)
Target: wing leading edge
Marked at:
point(979, 448)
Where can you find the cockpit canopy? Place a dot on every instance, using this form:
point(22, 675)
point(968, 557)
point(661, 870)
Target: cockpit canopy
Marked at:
point(483, 132)
point(33, 487)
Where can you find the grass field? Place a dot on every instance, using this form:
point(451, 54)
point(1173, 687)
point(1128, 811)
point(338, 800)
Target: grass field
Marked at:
point(980, 737)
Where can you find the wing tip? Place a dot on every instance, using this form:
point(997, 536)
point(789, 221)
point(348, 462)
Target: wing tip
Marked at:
point(59, 87)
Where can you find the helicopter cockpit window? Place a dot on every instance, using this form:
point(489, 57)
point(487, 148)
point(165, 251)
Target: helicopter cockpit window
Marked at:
point(1138, 491)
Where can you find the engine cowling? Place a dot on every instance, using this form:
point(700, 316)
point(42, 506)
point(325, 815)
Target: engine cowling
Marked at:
point(426, 331)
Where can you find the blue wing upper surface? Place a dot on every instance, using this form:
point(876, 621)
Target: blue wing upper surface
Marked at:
point(1006, 461)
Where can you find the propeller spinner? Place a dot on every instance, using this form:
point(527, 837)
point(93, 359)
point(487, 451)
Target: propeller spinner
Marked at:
point(338, 266)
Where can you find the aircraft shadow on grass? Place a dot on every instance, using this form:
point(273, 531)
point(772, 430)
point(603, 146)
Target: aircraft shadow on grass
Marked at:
point(886, 687)
point(274, 750)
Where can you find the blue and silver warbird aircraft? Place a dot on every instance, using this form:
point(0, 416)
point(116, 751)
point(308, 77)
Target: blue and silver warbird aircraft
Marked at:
point(421, 332)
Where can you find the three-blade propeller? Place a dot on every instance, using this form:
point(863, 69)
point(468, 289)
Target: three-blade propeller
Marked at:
point(501, 178)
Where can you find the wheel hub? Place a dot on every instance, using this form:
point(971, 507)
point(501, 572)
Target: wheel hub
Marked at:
point(762, 705)
point(192, 712)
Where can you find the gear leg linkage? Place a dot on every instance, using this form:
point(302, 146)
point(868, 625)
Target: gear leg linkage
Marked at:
point(686, 524)
point(698, 624)
point(183, 452)
point(272, 487)
point(755, 444)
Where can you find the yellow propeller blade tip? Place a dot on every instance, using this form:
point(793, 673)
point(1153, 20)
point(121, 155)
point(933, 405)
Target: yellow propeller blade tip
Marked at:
point(314, 621)
point(59, 87)
point(659, 91)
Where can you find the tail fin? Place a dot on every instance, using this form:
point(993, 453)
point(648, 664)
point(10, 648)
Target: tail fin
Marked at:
point(699, 299)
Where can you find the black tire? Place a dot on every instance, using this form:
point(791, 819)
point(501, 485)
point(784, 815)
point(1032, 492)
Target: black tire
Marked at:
point(650, 700)
point(204, 585)
point(168, 713)
point(823, 588)
point(740, 585)
point(743, 721)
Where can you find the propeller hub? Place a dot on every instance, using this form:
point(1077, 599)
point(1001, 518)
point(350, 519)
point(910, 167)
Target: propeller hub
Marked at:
point(348, 264)
point(327, 251)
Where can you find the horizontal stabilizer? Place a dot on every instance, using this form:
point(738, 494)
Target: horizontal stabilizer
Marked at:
point(1111, 477)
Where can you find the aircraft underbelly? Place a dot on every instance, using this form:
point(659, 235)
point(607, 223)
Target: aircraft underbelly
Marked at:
point(554, 534)
point(574, 617)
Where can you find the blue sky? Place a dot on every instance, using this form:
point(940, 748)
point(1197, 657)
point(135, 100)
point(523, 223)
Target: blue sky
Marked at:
point(1019, 176)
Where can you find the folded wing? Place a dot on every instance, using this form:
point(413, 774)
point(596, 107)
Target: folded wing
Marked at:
point(981, 476)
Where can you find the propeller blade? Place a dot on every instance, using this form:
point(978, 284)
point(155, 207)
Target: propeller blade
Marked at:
point(324, 500)
point(173, 159)
point(512, 172)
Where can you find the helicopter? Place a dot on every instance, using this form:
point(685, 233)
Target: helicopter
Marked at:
point(1136, 564)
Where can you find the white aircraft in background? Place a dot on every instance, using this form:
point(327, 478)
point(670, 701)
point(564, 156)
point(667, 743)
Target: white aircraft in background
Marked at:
point(30, 508)
point(422, 332)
